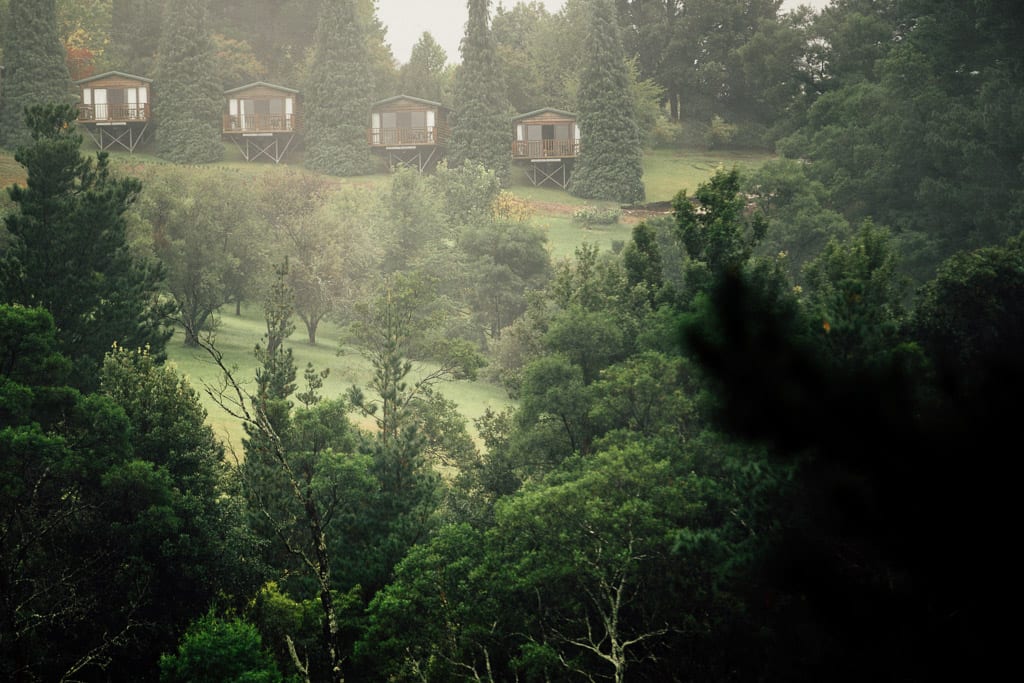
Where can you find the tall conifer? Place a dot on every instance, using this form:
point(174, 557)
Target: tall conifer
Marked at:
point(482, 127)
point(610, 165)
point(190, 100)
point(69, 251)
point(339, 92)
point(34, 68)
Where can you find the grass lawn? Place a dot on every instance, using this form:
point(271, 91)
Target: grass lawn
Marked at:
point(11, 171)
point(564, 234)
point(666, 172)
point(236, 337)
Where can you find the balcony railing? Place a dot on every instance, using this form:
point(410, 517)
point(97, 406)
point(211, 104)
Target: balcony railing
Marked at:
point(540, 149)
point(261, 123)
point(92, 113)
point(426, 135)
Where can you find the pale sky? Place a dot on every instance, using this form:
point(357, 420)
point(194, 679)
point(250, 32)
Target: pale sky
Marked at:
point(406, 20)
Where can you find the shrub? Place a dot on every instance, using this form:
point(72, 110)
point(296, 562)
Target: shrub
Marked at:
point(593, 215)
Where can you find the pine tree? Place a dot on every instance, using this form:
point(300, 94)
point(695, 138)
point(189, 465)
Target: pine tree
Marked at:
point(482, 129)
point(70, 251)
point(190, 99)
point(34, 67)
point(610, 165)
point(340, 91)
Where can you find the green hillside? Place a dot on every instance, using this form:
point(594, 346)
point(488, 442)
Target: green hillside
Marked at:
point(665, 173)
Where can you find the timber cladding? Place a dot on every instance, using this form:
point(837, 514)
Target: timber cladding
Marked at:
point(406, 104)
point(545, 118)
point(114, 83)
point(259, 92)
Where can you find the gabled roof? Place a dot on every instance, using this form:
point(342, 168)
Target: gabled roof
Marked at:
point(545, 110)
point(107, 74)
point(408, 97)
point(261, 84)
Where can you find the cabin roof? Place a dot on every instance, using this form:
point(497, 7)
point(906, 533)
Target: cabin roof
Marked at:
point(418, 100)
point(108, 74)
point(545, 110)
point(261, 84)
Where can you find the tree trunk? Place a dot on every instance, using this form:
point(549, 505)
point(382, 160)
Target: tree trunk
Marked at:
point(323, 577)
point(191, 337)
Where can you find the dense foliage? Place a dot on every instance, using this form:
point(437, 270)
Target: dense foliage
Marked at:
point(340, 89)
point(34, 70)
point(116, 527)
point(191, 98)
point(481, 132)
point(610, 165)
point(69, 251)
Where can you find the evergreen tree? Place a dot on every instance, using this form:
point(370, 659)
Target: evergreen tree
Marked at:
point(34, 67)
point(215, 650)
point(481, 129)
point(70, 252)
point(131, 47)
point(340, 90)
point(190, 103)
point(610, 165)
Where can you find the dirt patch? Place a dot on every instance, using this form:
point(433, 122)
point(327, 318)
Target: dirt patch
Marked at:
point(640, 212)
point(553, 208)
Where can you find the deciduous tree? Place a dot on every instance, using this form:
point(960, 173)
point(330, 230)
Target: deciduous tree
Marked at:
point(425, 74)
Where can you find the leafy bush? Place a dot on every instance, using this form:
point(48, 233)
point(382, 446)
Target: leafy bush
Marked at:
point(593, 215)
point(511, 209)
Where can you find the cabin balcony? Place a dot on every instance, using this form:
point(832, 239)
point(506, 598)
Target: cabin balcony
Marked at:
point(261, 123)
point(113, 113)
point(545, 149)
point(391, 137)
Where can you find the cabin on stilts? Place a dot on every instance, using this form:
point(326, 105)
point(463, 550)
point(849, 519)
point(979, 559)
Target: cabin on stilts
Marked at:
point(409, 131)
point(262, 120)
point(114, 110)
point(546, 144)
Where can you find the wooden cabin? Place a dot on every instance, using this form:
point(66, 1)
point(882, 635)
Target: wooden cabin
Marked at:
point(409, 131)
point(547, 141)
point(262, 119)
point(114, 109)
